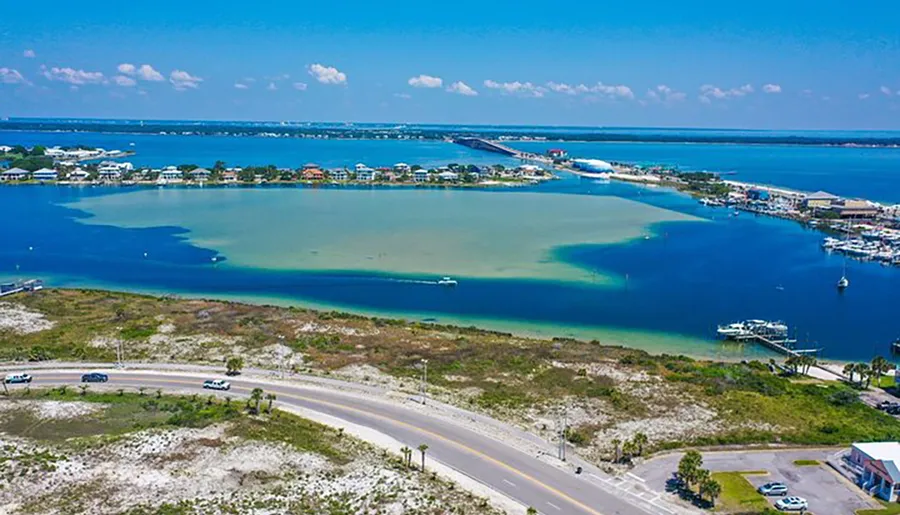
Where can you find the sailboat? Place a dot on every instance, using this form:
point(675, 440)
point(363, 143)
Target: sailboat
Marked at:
point(843, 282)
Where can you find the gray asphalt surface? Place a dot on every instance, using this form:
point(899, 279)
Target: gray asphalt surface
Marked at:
point(507, 470)
point(826, 492)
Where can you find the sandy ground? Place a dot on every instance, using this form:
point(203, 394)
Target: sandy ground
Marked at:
point(214, 471)
point(18, 319)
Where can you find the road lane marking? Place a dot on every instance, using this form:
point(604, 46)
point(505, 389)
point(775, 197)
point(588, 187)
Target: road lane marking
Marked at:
point(510, 483)
point(629, 474)
point(160, 377)
point(554, 506)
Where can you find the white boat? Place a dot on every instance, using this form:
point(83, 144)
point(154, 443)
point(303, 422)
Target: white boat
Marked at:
point(734, 330)
point(843, 282)
point(447, 281)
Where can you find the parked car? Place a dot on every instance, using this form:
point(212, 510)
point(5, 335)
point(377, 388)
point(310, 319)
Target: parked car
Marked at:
point(883, 405)
point(216, 384)
point(17, 378)
point(94, 377)
point(792, 504)
point(894, 410)
point(773, 489)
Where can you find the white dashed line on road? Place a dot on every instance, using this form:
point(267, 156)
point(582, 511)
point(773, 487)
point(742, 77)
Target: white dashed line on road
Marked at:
point(510, 483)
point(554, 506)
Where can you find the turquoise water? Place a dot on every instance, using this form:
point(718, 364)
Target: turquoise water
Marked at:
point(624, 264)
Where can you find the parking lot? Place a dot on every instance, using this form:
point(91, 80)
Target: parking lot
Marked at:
point(826, 492)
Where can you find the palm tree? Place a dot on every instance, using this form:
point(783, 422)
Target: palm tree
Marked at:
point(406, 451)
point(141, 390)
point(531, 511)
point(850, 370)
point(84, 389)
point(713, 490)
point(271, 398)
point(256, 396)
point(159, 393)
point(808, 361)
point(862, 369)
point(234, 365)
point(422, 449)
point(879, 367)
point(792, 363)
point(616, 443)
point(640, 440)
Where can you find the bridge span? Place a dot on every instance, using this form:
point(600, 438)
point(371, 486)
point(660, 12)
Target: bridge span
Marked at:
point(490, 146)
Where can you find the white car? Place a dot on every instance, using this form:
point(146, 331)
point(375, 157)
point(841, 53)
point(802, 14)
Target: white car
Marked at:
point(792, 504)
point(217, 384)
point(17, 378)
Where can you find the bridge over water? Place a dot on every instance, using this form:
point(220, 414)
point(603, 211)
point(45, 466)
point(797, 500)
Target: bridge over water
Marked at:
point(490, 146)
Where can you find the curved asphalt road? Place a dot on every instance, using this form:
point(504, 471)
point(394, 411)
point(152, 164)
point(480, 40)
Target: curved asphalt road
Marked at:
point(516, 474)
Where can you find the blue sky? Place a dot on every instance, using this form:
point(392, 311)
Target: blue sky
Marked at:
point(763, 64)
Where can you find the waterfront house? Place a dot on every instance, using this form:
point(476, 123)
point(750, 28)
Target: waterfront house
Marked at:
point(360, 167)
point(877, 464)
point(45, 174)
point(229, 177)
point(313, 174)
point(448, 176)
point(171, 174)
point(420, 175)
point(819, 199)
point(5, 149)
point(54, 152)
point(200, 174)
point(366, 174)
point(78, 175)
point(401, 168)
point(338, 175)
point(14, 174)
point(109, 173)
point(310, 166)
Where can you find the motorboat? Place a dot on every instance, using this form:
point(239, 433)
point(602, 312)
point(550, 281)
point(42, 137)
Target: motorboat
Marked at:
point(447, 281)
point(843, 283)
point(731, 331)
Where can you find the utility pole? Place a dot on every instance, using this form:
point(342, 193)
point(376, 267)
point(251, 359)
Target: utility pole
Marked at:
point(424, 380)
point(118, 354)
point(562, 424)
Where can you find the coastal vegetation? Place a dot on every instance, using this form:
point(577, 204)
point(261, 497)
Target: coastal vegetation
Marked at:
point(130, 452)
point(649, 402)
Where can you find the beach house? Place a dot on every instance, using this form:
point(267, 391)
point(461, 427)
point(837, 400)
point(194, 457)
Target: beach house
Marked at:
point(313, 174)
point(78, 175)
point(14, 174)
point(878, 463)
point(366, 174)
point(338, 175)
point(229, 177)
point(45, 174)
point(420, 175)
point(170, 174)
point(448, 176)
point(200, 174)
point(401, 168)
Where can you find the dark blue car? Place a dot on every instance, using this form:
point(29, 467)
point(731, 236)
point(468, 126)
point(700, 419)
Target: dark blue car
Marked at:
point(94, 377)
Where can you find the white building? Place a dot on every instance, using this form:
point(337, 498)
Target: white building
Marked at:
point(338, 175)
point(448, 176)
point(360, 167)
point(200, 174)
point(366, 174)
point(170, 174)
point(4, 149)
point(45, 174)
point(14, 174)
point(401, 168)
point(592, 165)
point(78, 175)
point(420, 175)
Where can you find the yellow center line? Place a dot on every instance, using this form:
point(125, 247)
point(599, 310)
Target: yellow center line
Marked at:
point(407, 425)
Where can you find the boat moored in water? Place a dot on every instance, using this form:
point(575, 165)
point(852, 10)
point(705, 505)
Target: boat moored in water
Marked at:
point(447, 281)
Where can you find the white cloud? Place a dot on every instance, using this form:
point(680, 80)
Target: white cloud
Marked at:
point(73, 76)
point(863, 96)
point(663, 93)
point(299, 86)
point(461, 88)
point(772, 88)
point(327, 74)
point(124, 81)
point(238, 85)
point(611, 91)
point(425, 81)
point(709, 92)
point(886, 90)
point(29, 53)
point(272, 87)
point(11, 76)
point(182, 80)
point(146, 72)
point(525, 89)
point(143, 72)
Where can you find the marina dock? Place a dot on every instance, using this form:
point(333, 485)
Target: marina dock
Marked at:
point(21, 287)
point(772, 335)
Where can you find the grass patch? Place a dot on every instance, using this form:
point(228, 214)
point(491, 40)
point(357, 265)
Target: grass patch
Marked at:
point(298, 432)
point(119, 415)
point(738, 495)
point(806, 463)
point(889, 508)
point(886, 382)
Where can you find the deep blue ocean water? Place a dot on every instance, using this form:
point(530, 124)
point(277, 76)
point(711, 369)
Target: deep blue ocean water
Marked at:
point(687, 280)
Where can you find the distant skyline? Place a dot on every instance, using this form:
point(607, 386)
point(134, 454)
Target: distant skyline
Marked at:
point(766, 65)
